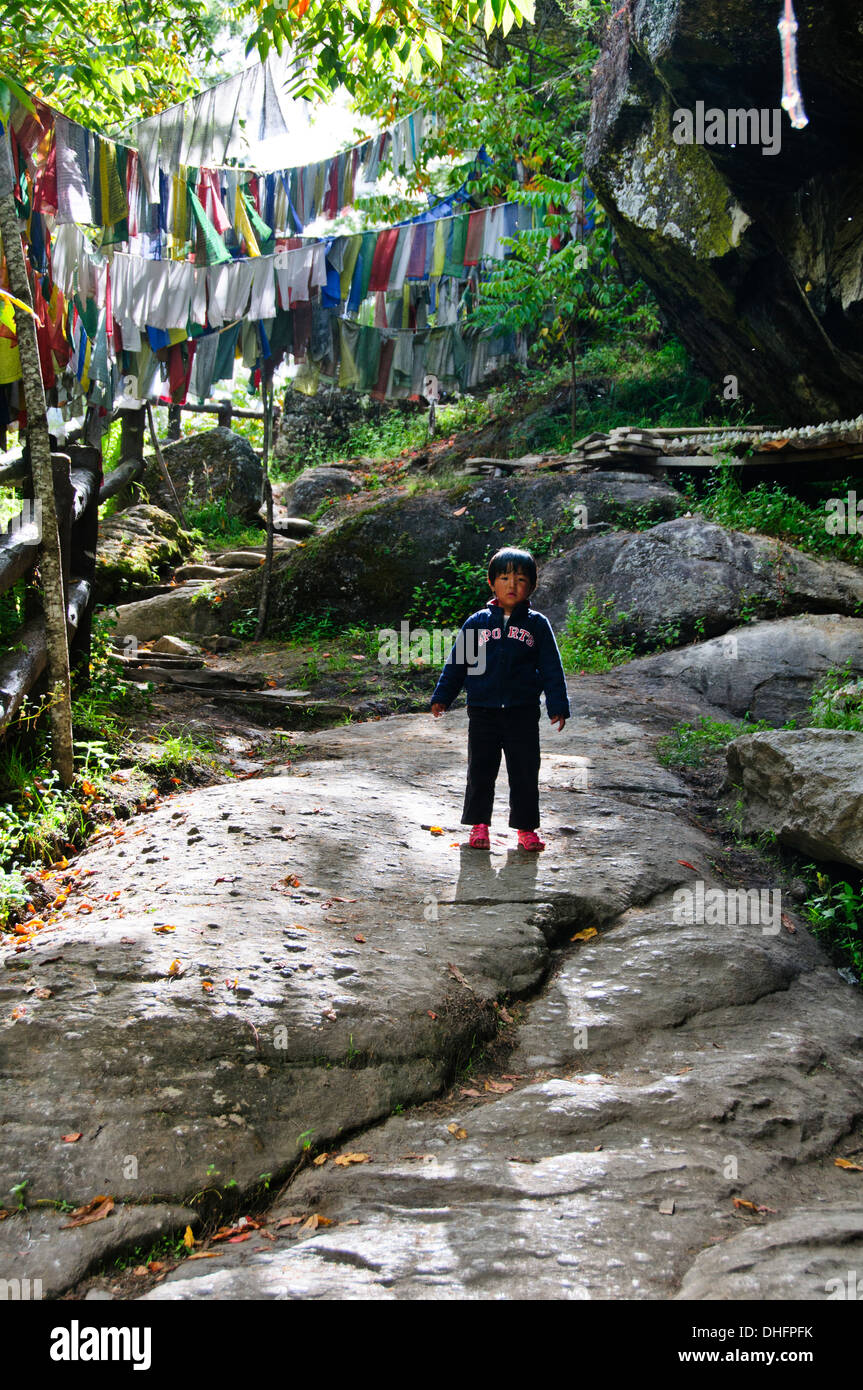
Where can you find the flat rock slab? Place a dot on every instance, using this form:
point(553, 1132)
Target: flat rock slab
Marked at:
point(312, 947)
point(35, 1246)
point(815, 1254)
point(292, 959)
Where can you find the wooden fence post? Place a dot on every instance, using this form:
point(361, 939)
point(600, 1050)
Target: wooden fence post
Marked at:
point(53, 590)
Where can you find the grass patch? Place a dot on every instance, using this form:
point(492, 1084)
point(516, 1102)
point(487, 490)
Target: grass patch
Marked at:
point(689, 744)
point(834, 911)
point(770, 510)
point(588, 640)
point(830, 709)
point(213, 528)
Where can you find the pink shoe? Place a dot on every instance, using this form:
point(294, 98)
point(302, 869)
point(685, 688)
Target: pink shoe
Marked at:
point(479, 837)
point(529, 840)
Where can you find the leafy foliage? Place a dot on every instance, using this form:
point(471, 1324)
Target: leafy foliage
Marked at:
point(588, 641)
point(106, 62)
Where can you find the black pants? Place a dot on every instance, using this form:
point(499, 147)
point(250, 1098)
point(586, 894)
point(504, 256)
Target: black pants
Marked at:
point(515, 733)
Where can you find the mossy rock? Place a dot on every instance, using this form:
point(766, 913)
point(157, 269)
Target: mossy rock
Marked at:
point(138, 548)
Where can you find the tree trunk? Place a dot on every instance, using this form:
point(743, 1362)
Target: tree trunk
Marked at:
point(50, 563)
point(573, 354)
point(268, 498)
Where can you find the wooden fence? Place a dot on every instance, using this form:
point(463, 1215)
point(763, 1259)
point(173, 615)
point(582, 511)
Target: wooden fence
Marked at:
point(77, 476)
point(79, 489)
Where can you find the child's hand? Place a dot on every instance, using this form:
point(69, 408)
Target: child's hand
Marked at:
point(438, 710)
point(559, 722)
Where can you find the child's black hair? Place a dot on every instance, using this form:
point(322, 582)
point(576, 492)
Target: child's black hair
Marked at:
point(509, 559)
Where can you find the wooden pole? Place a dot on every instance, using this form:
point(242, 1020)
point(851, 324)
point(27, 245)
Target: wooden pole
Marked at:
point(264, 604)
point(160, 459)
point(50, 563)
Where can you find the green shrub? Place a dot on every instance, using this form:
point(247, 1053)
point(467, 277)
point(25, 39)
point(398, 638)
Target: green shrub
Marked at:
point(588, 641)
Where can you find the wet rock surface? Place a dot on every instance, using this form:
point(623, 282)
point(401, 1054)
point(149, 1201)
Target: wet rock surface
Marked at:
point(294, 958)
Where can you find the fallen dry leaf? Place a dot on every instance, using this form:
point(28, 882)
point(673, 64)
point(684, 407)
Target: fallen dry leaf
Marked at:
point(467, 1092)
point(358, 936)
point(163, 928)
point(43, 993)
point(686, 864)
point(431, 1013)
point(512, 1076)
point(457, 1131)
point(847, 1164)
point(176, 968)
point(289, 1221)
point(320, 1160)
point(498, 1086)
point(97, 1210)
point(461, 511)
point(586, 935)
point(72, 1138)
point(203, 1255)
point(788, 924)
point(344, 1159)
point(457, 975)
point(207, 986)
point(140, 1271)
point(188, 1238)
point(740, 1202)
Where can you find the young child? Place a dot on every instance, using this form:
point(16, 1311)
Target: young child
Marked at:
point(505, 655)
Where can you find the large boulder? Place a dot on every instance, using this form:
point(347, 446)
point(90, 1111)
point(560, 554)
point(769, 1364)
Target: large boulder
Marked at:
point(137, 548)
point(807, 786)
point(212, 466)
point(305, 494)
point(754, 256)
point(765, 669)
point(690, 578)
point(371, 563)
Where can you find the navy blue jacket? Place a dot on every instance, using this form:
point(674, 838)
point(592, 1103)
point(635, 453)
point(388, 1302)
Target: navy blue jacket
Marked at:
point(520, 660)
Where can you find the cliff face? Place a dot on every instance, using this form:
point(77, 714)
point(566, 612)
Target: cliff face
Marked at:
point(753, 249)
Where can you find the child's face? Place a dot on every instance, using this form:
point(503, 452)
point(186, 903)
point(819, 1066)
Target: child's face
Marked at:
point(510, 588)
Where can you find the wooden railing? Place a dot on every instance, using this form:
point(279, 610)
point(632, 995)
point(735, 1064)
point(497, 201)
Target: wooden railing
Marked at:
point(23, 658)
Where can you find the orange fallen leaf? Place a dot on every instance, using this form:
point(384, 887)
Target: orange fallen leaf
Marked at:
point(163, 928)
point(155, 1265)
point(431, 1013)
point(847, 1164)
point(320, 1160)
point(468, 1092)
point(358, 936)
point(435, 829)
point(71, 1138)
point(291, 880)
point(586, 935)
point(244, 1235)
point(207, 986)
point(686, 864)
point(457, 1131)
point(88, 789)
point(176, 968)
point(344, 1160)
point(97, 1210)
point(188, 1238)
point(85, 907)
point(498, 1086)
point(289, 1221)
point(750, 1206)
point(202, 1255)
point(461, 511)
